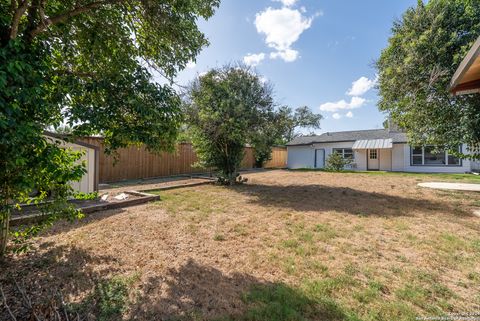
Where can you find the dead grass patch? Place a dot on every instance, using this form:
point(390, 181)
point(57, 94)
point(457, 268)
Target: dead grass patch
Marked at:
point(285, 246)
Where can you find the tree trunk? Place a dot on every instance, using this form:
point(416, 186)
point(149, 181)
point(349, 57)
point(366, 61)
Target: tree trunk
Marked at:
point(4, 230)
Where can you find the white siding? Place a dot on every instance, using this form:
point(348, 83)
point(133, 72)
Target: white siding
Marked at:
point(304, 156)
point(385, 157)
point(475, 166)
point(397, 159)
point(300, 157)
point(398, 164)
point(328, 147)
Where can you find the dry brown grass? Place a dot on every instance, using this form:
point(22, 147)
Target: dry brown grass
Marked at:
point(348, 246)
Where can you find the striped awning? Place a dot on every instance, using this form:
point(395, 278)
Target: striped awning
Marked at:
point(373, 144)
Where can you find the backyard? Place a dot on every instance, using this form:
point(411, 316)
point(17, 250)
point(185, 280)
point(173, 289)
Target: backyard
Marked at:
point(287, 245)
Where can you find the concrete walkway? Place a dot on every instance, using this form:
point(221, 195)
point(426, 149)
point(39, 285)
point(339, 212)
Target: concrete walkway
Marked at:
point(452, 186)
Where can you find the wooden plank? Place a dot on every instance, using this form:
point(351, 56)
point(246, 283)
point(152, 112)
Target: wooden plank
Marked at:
point(137, 163)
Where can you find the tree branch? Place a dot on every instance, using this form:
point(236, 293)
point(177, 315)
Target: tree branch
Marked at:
point(17, 15)
point(46, 22)
point(4, 301)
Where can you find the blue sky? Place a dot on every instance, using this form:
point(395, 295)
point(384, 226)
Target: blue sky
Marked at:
point(311, 51)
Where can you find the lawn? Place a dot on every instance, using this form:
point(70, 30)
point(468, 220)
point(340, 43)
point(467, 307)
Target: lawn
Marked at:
point(288, 245)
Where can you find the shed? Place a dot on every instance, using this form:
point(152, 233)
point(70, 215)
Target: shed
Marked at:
point(89, 181)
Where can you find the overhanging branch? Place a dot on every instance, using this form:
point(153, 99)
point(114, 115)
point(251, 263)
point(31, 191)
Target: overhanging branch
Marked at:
point(17, 15)
point(46, 22)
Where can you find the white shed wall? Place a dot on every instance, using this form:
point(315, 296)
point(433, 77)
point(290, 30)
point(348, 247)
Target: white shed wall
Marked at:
point(87, 183)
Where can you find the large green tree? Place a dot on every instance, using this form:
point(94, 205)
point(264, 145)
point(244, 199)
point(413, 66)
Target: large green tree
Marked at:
point(426, 46)
point(90, 63)
point(226, 109)
point(290, 121)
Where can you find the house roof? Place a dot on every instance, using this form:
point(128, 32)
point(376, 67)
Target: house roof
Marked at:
point(350, 136)
point(466, 79)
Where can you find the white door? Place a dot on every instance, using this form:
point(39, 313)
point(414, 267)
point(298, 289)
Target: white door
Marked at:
point(319, 158)
point(373, 161)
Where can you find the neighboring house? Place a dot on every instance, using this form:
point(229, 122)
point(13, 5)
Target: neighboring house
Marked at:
point(466, 79)
point(376, 149)
point(89, 181)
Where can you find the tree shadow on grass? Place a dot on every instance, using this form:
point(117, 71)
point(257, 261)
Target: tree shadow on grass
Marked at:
point(321, 198)
point(197, 292)
point(48, 272)
point(95, 287)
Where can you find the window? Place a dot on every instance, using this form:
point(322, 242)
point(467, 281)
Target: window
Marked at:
point(452, 160)
point(373, 154)
point(431, 158)
point(347, 153)
point(426, 156)
point(417, 156)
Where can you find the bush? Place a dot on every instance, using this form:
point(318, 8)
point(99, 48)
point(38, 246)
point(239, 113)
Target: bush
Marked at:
point(336, 163)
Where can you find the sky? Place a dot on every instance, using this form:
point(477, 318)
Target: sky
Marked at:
point(318, 53)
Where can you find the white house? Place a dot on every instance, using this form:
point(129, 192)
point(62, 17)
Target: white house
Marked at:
point(376, 149)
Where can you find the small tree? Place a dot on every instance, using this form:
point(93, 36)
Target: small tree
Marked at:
point(226, 109)
point(336, 163)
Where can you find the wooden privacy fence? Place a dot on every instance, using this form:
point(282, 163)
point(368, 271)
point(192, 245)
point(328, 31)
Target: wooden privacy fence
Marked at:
point(137, 163)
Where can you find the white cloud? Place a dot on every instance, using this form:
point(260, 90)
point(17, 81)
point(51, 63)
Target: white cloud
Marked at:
point(336, 116)
point(355, 102)
point(287, 3)
point(253, 59)
point(349, 114)
point(361, 86)
point(191, 64)
point(288, 55)
point(282, 28)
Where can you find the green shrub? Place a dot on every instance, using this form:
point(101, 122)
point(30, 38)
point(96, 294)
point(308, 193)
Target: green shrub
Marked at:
point(336, 163)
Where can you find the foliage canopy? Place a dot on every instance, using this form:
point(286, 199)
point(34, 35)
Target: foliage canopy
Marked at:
point(427, 45)
point(290, 121)
point(92, 64)
point(226, 109)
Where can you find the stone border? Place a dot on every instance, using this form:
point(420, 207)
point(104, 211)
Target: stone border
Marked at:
point(143, 198)
point(38, 217)
point(168, 187)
